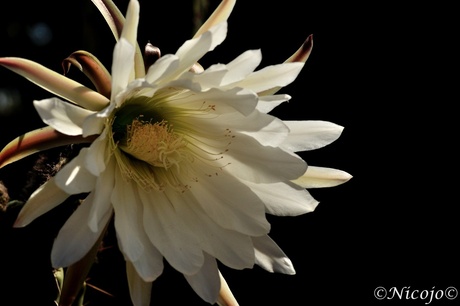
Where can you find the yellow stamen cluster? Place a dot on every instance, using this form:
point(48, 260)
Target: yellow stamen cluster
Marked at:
point(154, 143)
point(154, 153)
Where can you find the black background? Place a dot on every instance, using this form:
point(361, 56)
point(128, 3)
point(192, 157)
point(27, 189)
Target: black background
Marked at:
point(373, 70)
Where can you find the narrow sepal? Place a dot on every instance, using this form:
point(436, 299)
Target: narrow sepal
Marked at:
point(301, 55)
point(36, 141)
point(226, 297)
point(116, 22)
point(92, 68)
point(112, 16)
point(56, 83)
point(221, 13)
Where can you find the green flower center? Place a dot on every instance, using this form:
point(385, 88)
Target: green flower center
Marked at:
point(141, 132)
point(158, 141)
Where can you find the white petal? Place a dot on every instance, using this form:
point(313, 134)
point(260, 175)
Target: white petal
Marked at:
point(319, 177)
point(223, 102)
point(94, 124)
point(104, 186)
point(150, 263)
point(62, 116)
point(162, 68)
point(98, 155)
point(128, 209)
point(271, 76)
point(242, 100)
point(129, 31)
point(74, 178)
point(139, 290)
point(169, 234)
point(221, 13)
point(147, 260)
point(242, 66)
point(192, 50)
point(122, 67)
point(210, 78)
point(250, 161)
point(124, 51)
point(284, 199)
point(240, 211)
point(42, 200)
point(266, 129)
point(310, 135)
point(268, 103)
point(230, 247)
point(76, 238)
point(206, 281)
point(270, 257)
point(270, 130)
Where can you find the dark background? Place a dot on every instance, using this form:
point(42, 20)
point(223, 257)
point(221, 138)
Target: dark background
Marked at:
point(373, 70)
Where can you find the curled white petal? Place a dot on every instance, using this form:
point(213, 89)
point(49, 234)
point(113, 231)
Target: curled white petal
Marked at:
point(95, 123)
point(62, 116)
point(268, 103)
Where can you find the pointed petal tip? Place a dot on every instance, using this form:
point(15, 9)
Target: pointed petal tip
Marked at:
point(303, 53)
point(19, 223)
point(308, 44)
point(221, 13)
point(226, 297)
point(321, 177)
